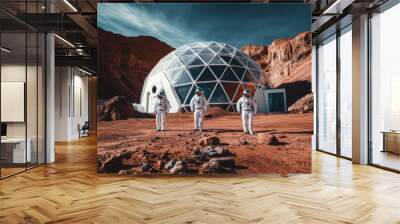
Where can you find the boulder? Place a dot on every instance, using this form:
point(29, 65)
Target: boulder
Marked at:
point(179, 167)
point(268, 139)
point(244, 142)
point(219, 165)
point(146, 167)
point(217, 151)
point(115, 108)
point(113, 163)
point(303, 105)
point(170, 164)
point(211, 140)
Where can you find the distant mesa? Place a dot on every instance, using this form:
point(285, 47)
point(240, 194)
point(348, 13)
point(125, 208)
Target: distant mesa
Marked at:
point(124, 63)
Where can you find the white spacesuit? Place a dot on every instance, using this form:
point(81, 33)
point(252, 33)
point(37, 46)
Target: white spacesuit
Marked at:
point(248, 108)
point(160, 109)
point(199, 106)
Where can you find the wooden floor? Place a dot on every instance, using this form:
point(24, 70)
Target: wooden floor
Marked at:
point(70, 191)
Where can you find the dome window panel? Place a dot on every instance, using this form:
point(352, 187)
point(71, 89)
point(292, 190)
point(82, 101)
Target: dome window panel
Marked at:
point(239, 93)
point(256, 73)
point(206, 51)
point(197, 49)
point(240, 54)
point(253, 65)
point(207, 75)
point(196, 61)
point(173, 75)
point(229, 75)
point(236, 62)
point(239, 71)
point(218, 70)
point(230, 49)
point(230, 88)
point(207, 88)
point(227, 59)
point(186, 59)
point(248, 77)
point(219, 95)
point(217, 61)
point(207, 56)
point(182, 92)
point(195, 71)
point(182, 78)
point(175, 64)
point(224, 51)
point(188, 52)
point(190, 95)
point(215, 47)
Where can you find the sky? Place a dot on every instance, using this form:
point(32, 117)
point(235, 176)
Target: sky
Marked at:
point(178, 24)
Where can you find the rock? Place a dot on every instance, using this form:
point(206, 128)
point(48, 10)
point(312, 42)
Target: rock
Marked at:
point(170, 164)
point(123, 172)
point(226, 162)
point(212, 140)
point(115, 108)
point(303, 105)
point(179, 167)
point(268, 139)
point(154, 139)
point(199, 156)
point(244, 142)
point(210, 167)
point(159, 165)
point(216, 151)
point(219, 165)
point(273, 140)
point(146, 167)
point(112, 163)
point(165, 156)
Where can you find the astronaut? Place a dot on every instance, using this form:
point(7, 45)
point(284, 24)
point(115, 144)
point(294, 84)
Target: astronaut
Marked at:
point(161, 107)
point(248, 107)
point(199, 106)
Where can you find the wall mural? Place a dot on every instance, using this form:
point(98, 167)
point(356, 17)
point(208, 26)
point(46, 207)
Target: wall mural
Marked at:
point(203, 89)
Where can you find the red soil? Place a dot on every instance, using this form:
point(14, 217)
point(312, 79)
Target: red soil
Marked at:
point(293, 130)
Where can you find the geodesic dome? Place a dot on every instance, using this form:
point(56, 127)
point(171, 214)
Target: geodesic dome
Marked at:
point(222, 71)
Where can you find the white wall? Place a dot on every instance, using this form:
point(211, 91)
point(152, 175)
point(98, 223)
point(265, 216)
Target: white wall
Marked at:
point(71, 102)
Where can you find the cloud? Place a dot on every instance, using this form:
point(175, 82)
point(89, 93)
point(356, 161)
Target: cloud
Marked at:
point(131, 20)
point(178, 24)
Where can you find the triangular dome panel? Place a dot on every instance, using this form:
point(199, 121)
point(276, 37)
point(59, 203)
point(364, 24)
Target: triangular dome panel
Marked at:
point(219, 95)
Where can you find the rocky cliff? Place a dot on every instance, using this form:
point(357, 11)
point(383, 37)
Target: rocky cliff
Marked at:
point(284, 60)
point(286, 63)
point(124, 63)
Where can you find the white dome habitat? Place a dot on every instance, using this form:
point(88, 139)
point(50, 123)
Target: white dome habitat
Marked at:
point(222, 71)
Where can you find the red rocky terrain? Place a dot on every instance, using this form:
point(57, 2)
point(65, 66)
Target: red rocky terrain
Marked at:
point(282, 144)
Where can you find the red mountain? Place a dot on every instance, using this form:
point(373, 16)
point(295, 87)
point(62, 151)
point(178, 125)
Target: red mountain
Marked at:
point(124, 63)
point(286, 63)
